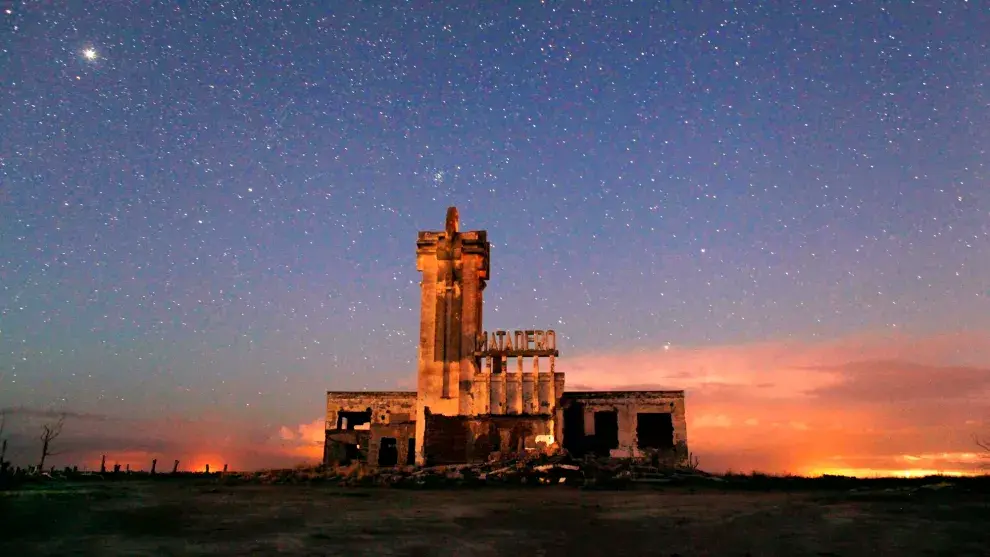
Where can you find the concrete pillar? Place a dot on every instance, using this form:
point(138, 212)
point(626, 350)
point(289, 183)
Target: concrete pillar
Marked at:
point(589, 421)
point(469, 328)
point(496, 395)
point(454, 267)
point(545, 395)
point(503, 399)
point(481, 403)
point(558, 387)
point(514, 390)
point(529, 402)
point(627, 429)
point(680, 421)
point(558, 391)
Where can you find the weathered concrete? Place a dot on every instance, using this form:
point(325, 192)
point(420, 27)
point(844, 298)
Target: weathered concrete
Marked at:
point(454, 267)
point(381, 404)
point(346, 446)
point(580, 435)
point(348, 436)
point(400, 434)
point(470, 439)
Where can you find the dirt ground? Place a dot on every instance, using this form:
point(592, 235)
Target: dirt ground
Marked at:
point(202, 518)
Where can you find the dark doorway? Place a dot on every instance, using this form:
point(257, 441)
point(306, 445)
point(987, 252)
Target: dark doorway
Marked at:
point(388, 452)
point(351, 453)
point(411, 452)
point(655, 430)
point(574, 429)
point(342, 453)
point(349, 420)
point(606, 431)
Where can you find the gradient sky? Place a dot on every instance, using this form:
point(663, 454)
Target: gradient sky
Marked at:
point(208, 215)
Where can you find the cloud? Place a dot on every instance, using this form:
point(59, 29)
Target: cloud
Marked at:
point(860, 402)
point(709, 420)
point(304, 441)
point(900, 381)
point(310, 433)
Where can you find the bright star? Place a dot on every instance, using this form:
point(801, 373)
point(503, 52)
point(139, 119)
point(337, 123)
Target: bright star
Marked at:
point(89, 54)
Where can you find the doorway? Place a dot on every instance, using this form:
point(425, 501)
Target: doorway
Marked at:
point(606, 431)
point(388, 452)
point(655, 430)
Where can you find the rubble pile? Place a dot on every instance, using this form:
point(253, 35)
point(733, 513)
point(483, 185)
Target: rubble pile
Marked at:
point(534, 470)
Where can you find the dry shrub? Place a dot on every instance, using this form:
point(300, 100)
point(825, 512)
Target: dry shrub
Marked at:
point(693, 462)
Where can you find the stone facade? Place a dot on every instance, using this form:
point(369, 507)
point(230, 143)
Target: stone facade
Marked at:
point(467, 439)
point(358, 422)
point(454, 267)
point(626, 424)
point(472, 401)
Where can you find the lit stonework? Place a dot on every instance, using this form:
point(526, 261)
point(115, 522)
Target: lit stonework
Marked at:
point(454, 267)
point(476, 391)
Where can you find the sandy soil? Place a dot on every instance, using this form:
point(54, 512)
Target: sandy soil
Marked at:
point(200, 518)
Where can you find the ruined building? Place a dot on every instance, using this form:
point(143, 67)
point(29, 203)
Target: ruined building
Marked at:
point(481, 392)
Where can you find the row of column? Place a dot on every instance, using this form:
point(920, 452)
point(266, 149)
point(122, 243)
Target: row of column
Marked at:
point(518, 392)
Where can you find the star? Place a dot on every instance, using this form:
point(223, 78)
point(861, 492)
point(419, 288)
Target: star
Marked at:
point(680, 184)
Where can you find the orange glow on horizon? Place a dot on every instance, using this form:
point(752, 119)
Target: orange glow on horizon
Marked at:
point(141, 462)
point(308, 452)
point(198, 463)
point(863, 406)
point(875, 473)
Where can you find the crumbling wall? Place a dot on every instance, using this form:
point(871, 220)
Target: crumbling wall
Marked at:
point(352, 416)
point(382, 404)
point(470, 439)
point(610, 423)
point(446, 439)
point(390, 444)
point(343, 447)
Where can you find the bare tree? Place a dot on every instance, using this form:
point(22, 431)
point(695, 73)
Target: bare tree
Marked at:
point(49, 433)
point(982, 443)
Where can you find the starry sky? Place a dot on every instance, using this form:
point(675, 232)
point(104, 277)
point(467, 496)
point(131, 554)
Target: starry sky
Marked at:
point(208, 214)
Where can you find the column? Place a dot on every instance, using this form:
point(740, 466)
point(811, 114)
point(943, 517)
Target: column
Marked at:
point(514, 391)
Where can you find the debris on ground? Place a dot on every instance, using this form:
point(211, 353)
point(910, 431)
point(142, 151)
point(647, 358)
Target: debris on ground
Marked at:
point(528, 469)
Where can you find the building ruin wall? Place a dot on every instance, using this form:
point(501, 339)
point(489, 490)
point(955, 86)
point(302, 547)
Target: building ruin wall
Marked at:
point(580, 433)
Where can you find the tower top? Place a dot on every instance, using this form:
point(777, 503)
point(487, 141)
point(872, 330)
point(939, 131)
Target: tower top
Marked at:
point(453, 221)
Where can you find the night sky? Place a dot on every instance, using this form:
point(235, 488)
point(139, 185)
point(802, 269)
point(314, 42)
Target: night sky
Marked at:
point(208, 214)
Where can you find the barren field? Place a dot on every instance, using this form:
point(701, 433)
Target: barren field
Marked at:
point(205, 518)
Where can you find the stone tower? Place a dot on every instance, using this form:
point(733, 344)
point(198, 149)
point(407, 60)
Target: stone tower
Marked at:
point(455, 269)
